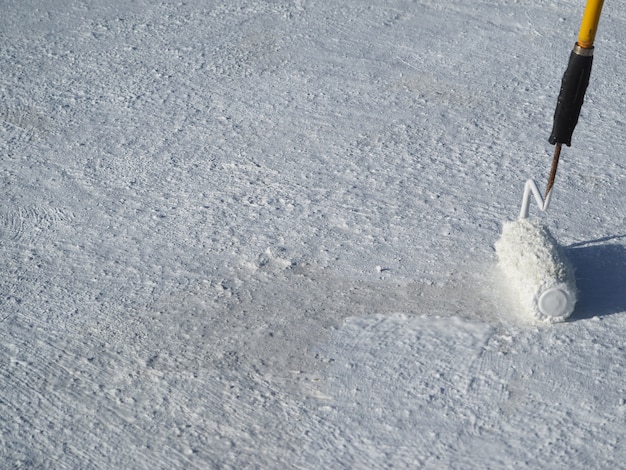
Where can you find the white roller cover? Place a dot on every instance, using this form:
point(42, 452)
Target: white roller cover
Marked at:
point(537, 269)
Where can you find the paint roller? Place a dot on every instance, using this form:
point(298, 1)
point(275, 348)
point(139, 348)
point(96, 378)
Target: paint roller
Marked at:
point(527, 252)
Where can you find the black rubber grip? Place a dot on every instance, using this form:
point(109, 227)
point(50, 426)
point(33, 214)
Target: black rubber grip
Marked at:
point(571, 97)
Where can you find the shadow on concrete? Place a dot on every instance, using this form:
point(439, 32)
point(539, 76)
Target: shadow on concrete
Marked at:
point(600, 277)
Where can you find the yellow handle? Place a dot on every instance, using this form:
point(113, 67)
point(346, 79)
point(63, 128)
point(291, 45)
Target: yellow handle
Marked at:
point(589, 25)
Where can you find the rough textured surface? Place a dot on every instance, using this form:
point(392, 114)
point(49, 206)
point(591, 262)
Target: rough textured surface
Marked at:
point(259, 234)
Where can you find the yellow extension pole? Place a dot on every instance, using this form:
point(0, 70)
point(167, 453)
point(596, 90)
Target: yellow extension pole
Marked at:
point(589, 24)
point(576, 78)
point(574, 85)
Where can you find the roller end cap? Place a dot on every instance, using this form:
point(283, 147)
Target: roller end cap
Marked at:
point(556, 304)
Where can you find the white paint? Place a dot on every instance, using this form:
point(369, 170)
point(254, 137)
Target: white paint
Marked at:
point(259, 234)
point(538, 270)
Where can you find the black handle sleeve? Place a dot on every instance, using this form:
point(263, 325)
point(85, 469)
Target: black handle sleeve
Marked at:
point(571, 96)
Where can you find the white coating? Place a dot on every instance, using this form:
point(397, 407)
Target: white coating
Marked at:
point(538, 269)
point(530, 188)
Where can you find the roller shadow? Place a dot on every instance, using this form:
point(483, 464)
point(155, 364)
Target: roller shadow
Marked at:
point(600, 277)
